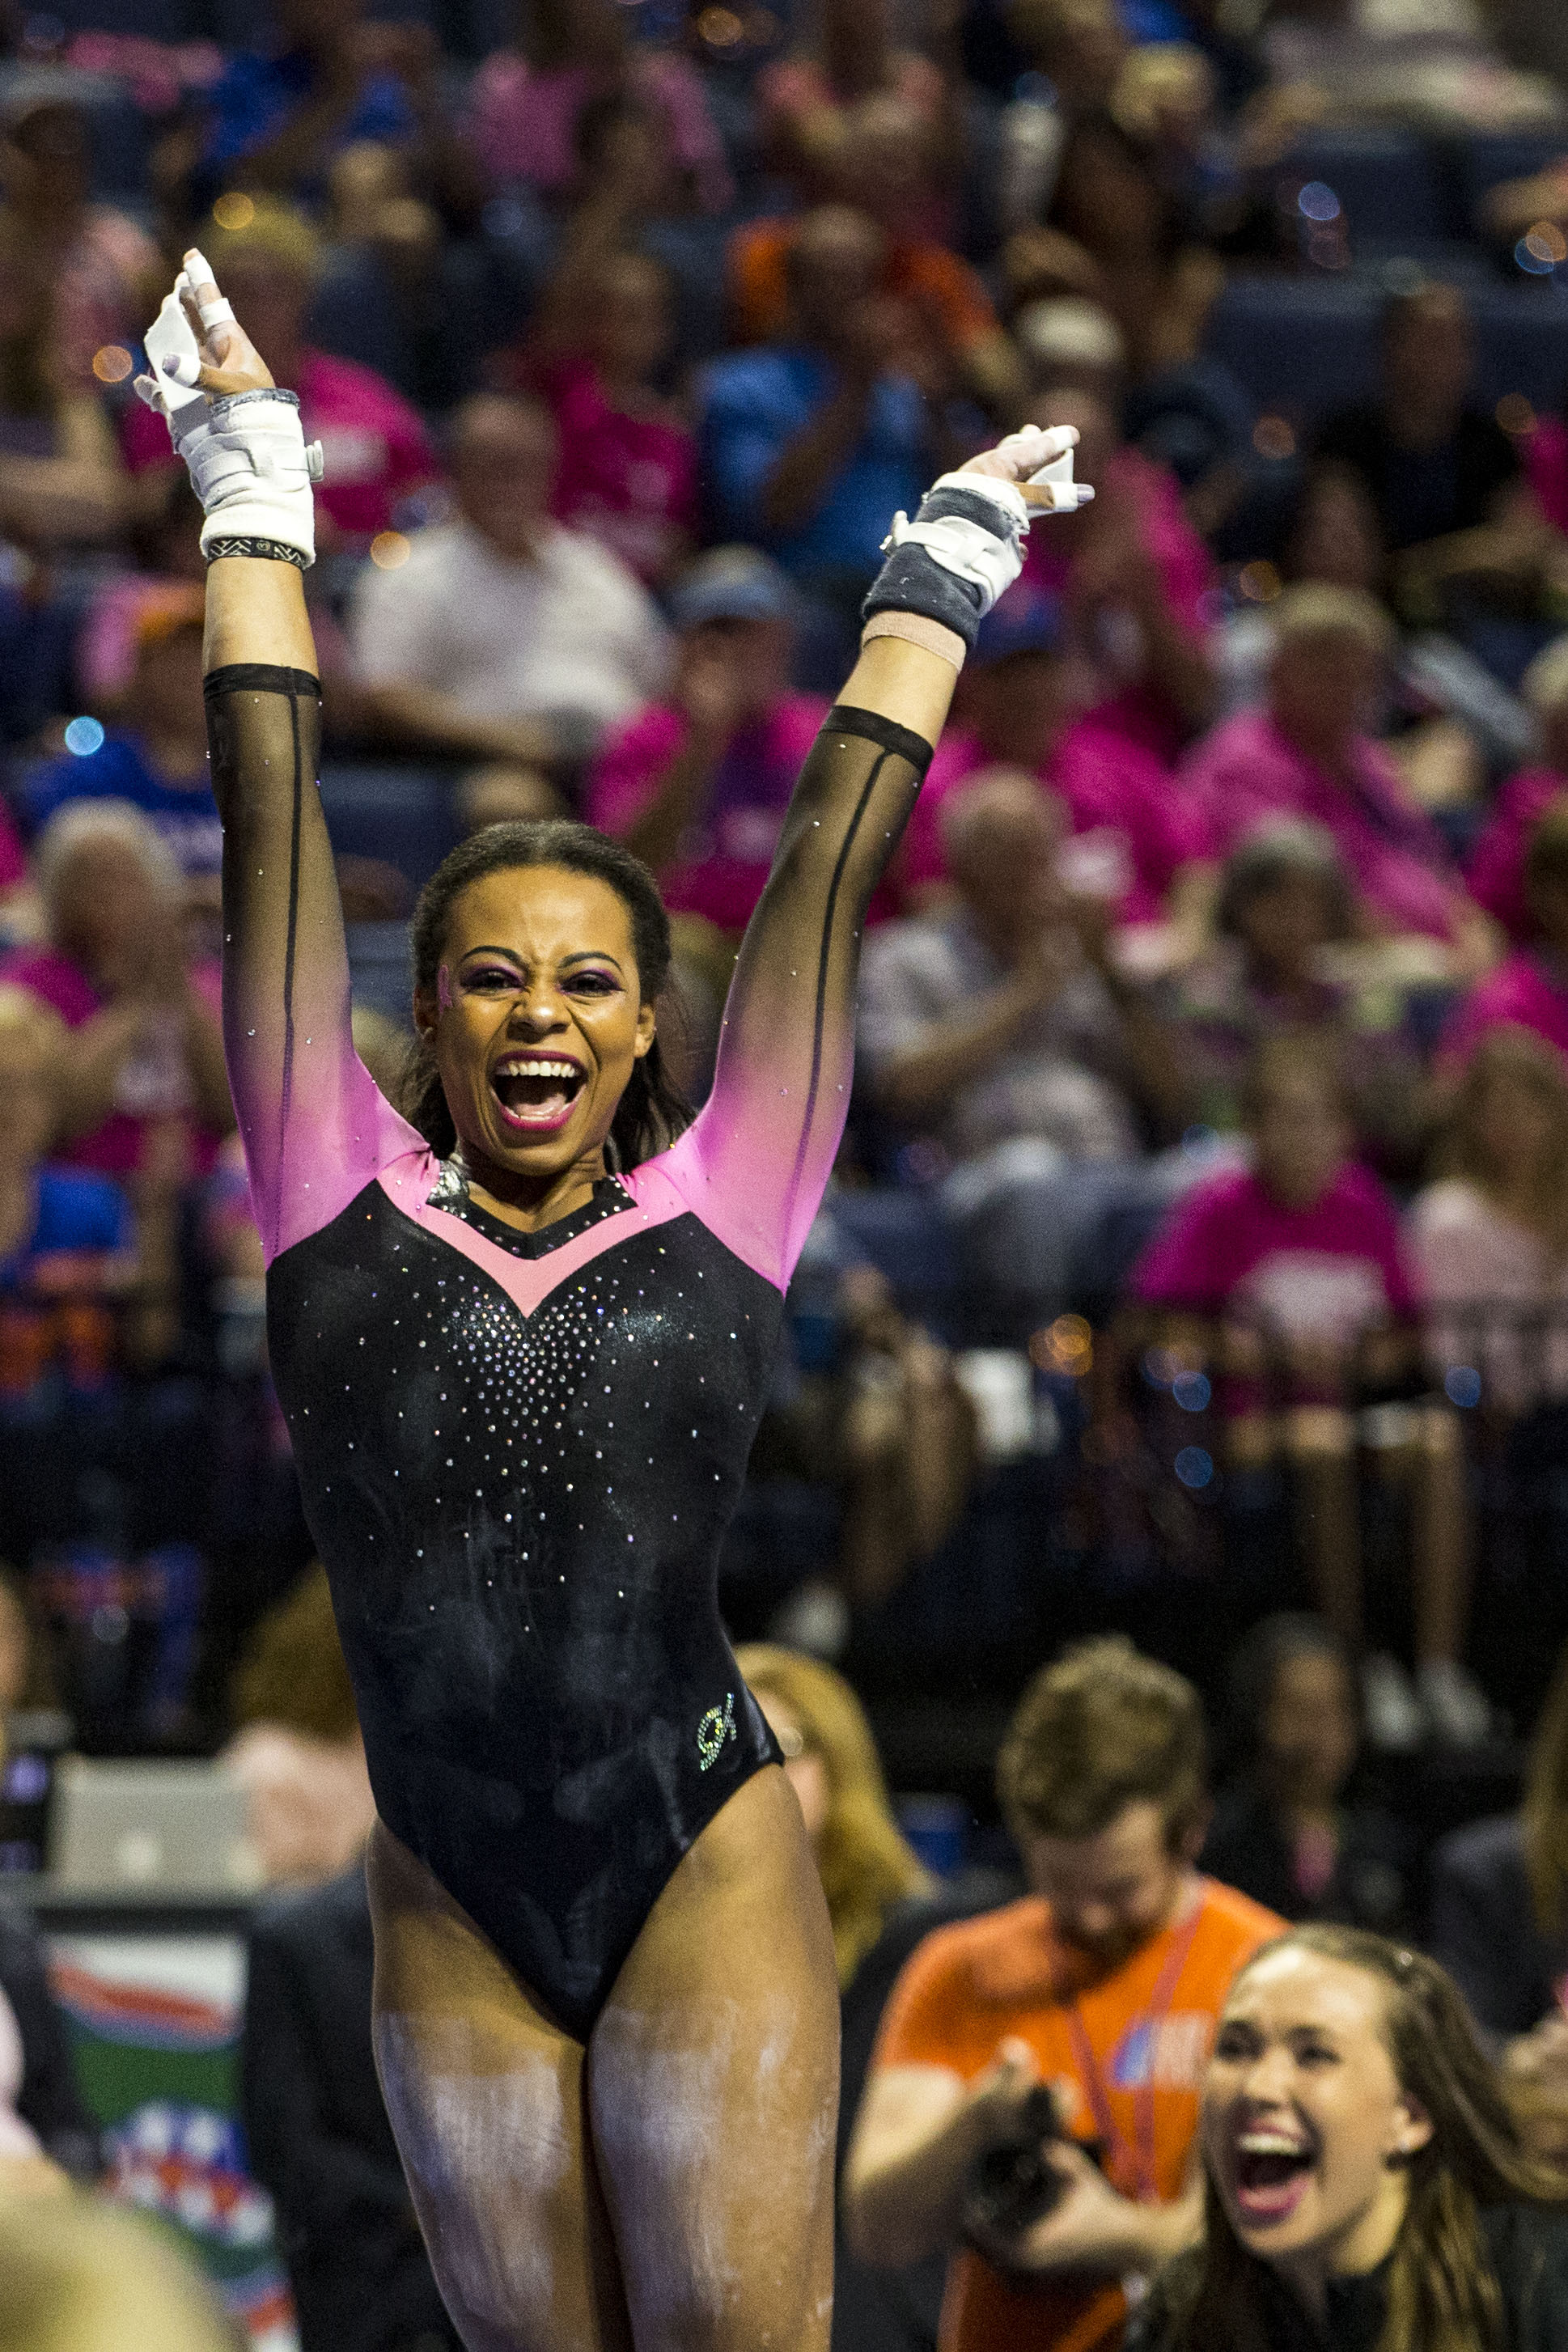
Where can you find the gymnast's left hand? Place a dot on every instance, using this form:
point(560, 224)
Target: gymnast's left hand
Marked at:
point(230, 361)
point(1022, 454)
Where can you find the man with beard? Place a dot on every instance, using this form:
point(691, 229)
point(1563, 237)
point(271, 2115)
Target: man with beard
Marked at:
point(1099, 1988)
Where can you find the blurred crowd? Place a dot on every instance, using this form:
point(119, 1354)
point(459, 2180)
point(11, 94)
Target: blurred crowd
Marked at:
point(1199, 1249)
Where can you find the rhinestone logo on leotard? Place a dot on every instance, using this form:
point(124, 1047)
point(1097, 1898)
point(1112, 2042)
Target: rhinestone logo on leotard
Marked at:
point(717, 1725)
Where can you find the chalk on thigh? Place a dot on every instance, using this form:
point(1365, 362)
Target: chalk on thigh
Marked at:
point(712, 2083)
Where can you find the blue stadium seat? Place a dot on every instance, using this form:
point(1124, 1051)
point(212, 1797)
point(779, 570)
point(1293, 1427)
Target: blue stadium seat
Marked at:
point(158, 20)
point(117, 129)
point(378, 968)
point(1391, 185)
point(1522, 342)
point(1304, 344)
point(1309, 345)
point(403, 814)
point(907, 1238)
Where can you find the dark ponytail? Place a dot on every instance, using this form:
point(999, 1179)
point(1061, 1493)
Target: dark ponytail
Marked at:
point(652, 1111)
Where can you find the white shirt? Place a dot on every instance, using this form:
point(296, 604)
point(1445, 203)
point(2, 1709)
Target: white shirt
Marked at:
point(1063, 1076)
point(571, 632)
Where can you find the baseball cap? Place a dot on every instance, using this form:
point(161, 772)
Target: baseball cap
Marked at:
point(732, 583)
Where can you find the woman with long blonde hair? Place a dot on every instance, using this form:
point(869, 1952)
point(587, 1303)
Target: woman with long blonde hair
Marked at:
point(867, 1866)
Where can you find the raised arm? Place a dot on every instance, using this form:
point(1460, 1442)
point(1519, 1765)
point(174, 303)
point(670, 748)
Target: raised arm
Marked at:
point(314, 1128)
point(755, 1164)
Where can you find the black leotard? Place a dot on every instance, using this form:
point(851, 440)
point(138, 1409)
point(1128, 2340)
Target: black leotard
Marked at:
point(518, 1452)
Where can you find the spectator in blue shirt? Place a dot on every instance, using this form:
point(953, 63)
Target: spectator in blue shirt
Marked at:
point(281, 112)
point(157, 758)
point(808, 445)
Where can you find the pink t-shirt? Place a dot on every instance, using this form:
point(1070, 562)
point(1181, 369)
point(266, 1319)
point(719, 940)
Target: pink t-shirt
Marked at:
point(153, 1086)
point(13, 857)
point(1525, 992)
point(1495, 871)
point(1325, 1272)
point(630, 482)
point(374, 442)
point(1545, 455)
point(725, 856)
point(524, 121)
point(1108, 637)
point(1246, 773)
point(1119, 798)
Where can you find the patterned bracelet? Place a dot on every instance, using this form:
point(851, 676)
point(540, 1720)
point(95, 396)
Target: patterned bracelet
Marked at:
point(274, 549)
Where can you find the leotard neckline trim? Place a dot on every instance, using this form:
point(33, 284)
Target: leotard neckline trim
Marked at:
point(452, 1196)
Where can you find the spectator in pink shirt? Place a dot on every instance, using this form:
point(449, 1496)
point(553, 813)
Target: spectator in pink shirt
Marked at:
point(375, 445)
point(1135, 840)
point(625, 468)
point(1308, 752)
point(1529, 989)
point(1298, 1259)
point(526, 100)
point(1496, 872)
point(1133, 575)
point(697, 784)
point(144, 1083)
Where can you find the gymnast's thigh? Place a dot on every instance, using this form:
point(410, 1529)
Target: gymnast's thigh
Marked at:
point(487, 2100)
point(714, 2090)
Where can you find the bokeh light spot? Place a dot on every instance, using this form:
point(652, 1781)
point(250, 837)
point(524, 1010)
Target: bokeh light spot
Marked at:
point(1318, 201)
point(720, 28)
point(1462, 1386)
point(1258, 582)
point(1191, 1391)
point(1547, 242)
point(111, 363)
point(389, 550)
point(1534, 265)
point(1193, 1466)
point(1065, 1346)
point(1515, 415)
point(234, 210)
point(84, 736)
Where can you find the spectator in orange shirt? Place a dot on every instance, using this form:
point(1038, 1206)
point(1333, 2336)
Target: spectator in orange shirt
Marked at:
point(1104, 1985)
point(887, 171)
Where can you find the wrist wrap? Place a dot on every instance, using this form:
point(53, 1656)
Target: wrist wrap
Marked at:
point(964, 547)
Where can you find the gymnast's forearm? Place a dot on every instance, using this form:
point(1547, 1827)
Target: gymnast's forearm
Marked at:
point(256, 613)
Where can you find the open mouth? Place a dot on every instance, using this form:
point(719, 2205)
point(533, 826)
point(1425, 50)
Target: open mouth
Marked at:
point(1272, 2172)
point(536, 1091)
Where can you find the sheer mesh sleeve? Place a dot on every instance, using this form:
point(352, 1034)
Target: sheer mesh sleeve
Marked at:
point(315, 1129)
point(754, 1164)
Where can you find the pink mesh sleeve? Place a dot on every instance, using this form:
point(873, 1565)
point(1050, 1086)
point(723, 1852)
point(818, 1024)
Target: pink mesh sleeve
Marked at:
point(756, 1161)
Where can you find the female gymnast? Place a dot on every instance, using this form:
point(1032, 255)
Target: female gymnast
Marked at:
point(522, 1345)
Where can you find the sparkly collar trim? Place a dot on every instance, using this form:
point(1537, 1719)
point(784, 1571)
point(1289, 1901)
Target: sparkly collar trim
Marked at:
point(451, 1194)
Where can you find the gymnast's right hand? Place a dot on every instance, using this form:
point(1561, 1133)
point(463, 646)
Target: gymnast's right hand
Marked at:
point(238, 432)
point(229, 360)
